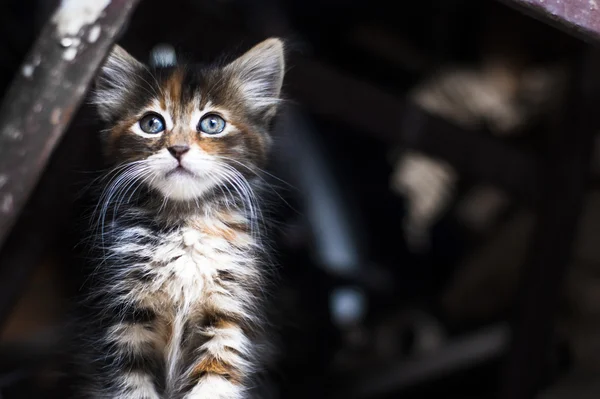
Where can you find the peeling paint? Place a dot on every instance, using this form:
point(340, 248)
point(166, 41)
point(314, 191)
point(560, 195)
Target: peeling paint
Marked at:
point(94, 33)
point(71, 47)
point(28, 70)
point(7, 203)
point(55, 116)
point(72, 15)
point(70, 54)
point(12, 133)
point(66, 42)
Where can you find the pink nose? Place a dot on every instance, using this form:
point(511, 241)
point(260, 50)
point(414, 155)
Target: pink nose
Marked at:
point(178, 150)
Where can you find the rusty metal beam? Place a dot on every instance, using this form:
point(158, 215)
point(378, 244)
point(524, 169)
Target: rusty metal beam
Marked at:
point(580, 18)
point(47, 91)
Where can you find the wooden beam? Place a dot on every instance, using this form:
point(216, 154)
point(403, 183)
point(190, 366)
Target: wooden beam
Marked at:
point(47, 91)
point(577, 17)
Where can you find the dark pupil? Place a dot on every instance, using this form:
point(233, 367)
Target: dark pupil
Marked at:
point(213, 123)
point(153, 123)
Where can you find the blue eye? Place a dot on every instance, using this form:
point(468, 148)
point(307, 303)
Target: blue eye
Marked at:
point(152, 123)
point(211, 124)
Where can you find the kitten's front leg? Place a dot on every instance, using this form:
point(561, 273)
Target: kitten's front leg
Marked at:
point(222, 365)
point(131, 359)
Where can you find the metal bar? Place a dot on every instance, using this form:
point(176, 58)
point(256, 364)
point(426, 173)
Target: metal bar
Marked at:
point(580, 18)
point(47, 91)
point(565, 182)
point(30, 240)
point(459, 354)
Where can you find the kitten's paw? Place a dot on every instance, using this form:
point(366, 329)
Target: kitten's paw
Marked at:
point(138, 386)
point(216, 387)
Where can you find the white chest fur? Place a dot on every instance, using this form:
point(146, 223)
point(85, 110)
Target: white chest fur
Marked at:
point(207, 266)
point(189, 261)
point(185, 268)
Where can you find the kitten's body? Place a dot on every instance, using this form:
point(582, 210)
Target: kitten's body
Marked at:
point(175, 304)
point(177, 301)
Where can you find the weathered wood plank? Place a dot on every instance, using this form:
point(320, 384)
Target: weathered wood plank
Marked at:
point(47, 91)
point(580, 18)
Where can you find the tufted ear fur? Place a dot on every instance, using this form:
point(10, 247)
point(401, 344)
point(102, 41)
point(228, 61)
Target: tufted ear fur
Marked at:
point(259, 75)
point(116, 78)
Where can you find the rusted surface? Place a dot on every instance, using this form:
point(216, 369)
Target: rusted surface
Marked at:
point(577, 17)
point(48, 90)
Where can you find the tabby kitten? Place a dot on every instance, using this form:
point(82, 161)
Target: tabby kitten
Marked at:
point(175, 303)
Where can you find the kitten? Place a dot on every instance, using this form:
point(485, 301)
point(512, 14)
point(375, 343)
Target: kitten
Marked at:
point(176, 298)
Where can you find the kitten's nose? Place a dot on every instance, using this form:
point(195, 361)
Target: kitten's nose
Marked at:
point(178, 150)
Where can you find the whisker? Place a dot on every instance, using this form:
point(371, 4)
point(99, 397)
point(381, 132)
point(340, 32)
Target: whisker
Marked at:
point(257, 172)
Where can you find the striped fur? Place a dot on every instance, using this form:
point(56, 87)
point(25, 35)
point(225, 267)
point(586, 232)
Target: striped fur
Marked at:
point(174, 307)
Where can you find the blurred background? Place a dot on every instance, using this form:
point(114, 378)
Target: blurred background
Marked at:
point(435, 198)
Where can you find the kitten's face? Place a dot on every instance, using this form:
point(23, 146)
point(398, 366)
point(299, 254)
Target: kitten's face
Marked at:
point(185, 130)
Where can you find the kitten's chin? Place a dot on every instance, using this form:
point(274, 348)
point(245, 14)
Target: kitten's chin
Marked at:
point(182, 187)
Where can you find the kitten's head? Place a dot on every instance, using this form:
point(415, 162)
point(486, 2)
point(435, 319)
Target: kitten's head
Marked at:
point(185, 130)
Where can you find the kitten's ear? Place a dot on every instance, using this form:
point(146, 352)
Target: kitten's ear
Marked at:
point(259, 73)
point(115, 78)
